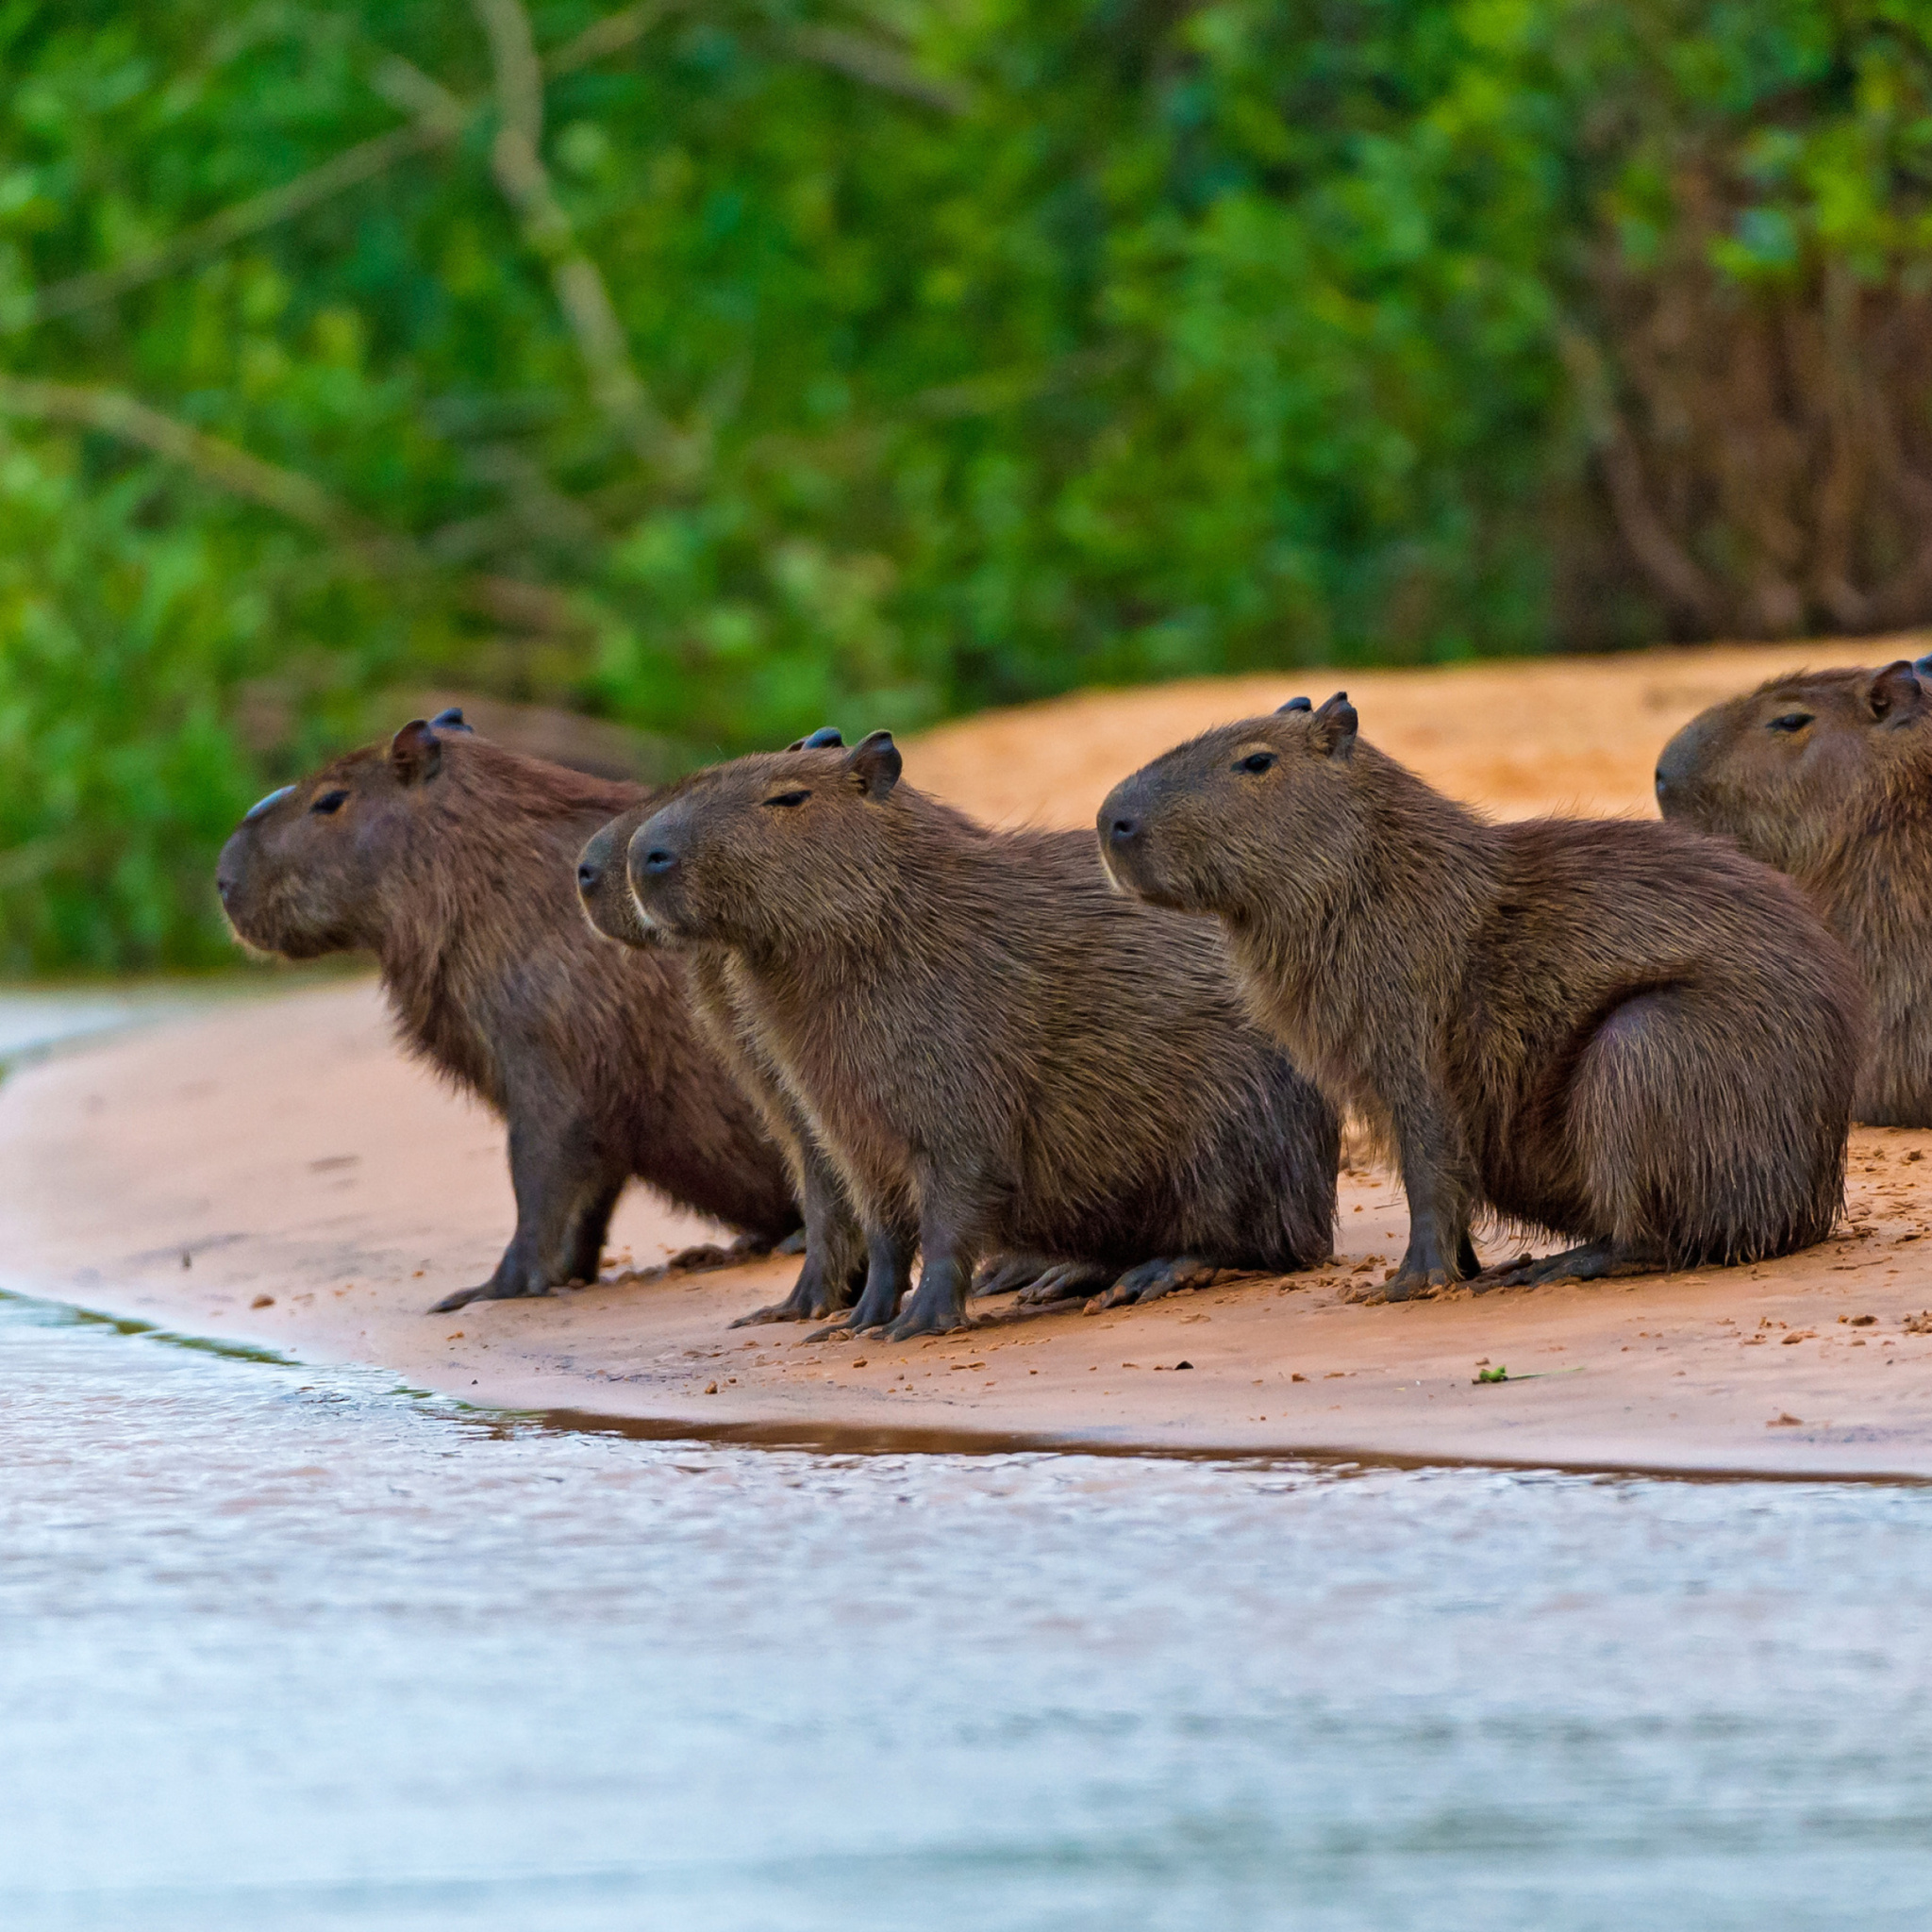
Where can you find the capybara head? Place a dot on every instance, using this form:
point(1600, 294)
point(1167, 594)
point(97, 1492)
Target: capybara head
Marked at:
point(603, 880)
point(1783, 770)
point(1249, 811)
point(312, 868)
point(781, 846)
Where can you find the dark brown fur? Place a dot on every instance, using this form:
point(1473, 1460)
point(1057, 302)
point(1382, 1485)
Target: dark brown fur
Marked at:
point(834, 1245)
point(1828, 776)
point(999, 1054)
point(1624, 1033)
point(450, 860)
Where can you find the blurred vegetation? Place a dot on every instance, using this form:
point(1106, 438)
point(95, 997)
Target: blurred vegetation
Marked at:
point(716, 367)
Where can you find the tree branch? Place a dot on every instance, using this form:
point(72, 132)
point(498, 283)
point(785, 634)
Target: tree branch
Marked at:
point(439, 117)
point(615, 385)
point(1669, 568)
point(530, 606)
point(352, 166)
point(220, 462)
point(878, 65)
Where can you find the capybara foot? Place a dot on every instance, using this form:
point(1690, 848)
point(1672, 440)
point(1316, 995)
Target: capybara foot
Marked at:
point(925, 1314)
point(810, 1300)
point(1008, 1272)
point(1592, 1262)
point(1411, 1285)
point(1066, 1281)
point(487, 1292)
point(708, 1256)
point(793, 1244)
point(1149, 1280)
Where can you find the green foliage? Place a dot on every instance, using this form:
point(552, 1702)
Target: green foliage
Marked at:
point(965, 352)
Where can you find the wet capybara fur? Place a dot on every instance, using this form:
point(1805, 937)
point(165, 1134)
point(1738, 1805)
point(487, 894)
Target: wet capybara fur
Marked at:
point(1001, 1055)
point(451, 860)
point(1828, 776)
point(1624, 1033)
point(833, 1246)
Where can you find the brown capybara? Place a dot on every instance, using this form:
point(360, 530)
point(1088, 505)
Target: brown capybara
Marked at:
point(1625, 1033)
point(1828, 776)
point(833, 1246)
point(451, 860)
point(1001, 1055)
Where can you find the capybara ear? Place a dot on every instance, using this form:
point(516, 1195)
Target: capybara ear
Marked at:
point(1292, 705)
point(1923, 665)
point(452, 720)
point(825, 735)
point(875, 761)
point(1895, 692)
point(414, 754)
point(1332, 729)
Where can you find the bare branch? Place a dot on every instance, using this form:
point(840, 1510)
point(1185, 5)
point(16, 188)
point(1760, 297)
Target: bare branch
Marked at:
point(610, 35)
point(1669, 568)
point(352, 166)
point(878, 66)
point(615, 385)
point(439, 117)
point(223, 463)
point(508, 600)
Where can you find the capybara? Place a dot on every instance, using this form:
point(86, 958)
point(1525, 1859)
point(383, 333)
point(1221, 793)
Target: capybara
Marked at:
point(451, 860)
point(1624, 1033)
point(1828, 776)
point(833, 1246)
point(1001, 1055)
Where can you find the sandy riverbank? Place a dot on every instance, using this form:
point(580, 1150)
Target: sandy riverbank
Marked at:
point(276, 1174)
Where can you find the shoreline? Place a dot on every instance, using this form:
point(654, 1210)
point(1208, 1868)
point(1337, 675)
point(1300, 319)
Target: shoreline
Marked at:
point(274, 1171)
point(325, 1190)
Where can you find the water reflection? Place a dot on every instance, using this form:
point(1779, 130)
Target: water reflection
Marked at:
point(298, 1649)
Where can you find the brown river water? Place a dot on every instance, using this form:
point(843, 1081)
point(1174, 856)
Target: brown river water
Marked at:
point(288, 1647)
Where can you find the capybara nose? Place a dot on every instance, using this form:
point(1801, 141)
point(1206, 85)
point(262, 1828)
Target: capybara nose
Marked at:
point(588, 876)
point(1663, 784)
point(658, 861)
point(1123, 831)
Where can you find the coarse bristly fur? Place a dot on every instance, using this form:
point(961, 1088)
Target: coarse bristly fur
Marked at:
point(1622, 1032)
point(1828, 776)
point(451, 860)
point(1001, 1054)
point(833, 1246)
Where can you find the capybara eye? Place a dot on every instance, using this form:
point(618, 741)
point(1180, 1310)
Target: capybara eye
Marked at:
point(1257, 761)
point(788, 798)
point(1791, 720)
point(330, 801)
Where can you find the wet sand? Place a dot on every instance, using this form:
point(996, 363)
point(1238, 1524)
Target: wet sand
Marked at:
point(277, 1173)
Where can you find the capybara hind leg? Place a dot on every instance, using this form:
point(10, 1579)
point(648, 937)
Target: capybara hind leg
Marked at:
point(1149, 1280)
point(1066, 1281)
point(581, 1252)
point(1592, 1262)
